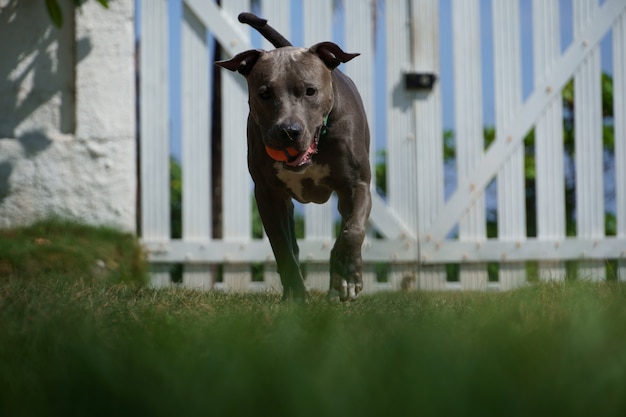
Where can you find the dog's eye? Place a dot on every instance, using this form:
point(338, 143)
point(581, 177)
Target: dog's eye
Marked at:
point(265, 94)
point(311, 91)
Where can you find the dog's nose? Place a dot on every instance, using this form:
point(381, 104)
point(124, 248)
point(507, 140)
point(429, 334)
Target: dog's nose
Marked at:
point(290, 131)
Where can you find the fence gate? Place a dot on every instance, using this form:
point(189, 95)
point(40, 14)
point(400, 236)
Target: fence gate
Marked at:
point(504, 159)
point(415, 229)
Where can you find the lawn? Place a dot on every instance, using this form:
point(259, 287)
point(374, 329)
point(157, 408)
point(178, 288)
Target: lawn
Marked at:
point(81, 334)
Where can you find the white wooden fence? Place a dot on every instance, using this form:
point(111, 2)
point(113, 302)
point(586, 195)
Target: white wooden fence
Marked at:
point(414, 221)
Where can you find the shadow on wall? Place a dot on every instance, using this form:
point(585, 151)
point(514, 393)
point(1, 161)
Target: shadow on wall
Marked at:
point(36, 80)
point(36, 72)
point(32, 144)
point(5, 174)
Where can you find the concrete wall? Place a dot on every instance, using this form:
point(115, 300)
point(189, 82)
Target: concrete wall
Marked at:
point(67, 114)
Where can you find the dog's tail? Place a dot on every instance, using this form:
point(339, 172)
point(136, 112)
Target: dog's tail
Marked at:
point(264, 29)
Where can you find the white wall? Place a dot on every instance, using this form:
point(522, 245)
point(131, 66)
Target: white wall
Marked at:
point(67, 114)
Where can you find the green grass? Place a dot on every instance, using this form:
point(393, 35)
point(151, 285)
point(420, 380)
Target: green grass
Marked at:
point(75, 342)
point(70, 251)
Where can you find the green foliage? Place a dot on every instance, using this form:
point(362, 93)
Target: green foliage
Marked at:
point(54, 10)
point(56, 15)
point(381, 171)
point(607, 96)
point(257, 224)
point(489, 133)
point(610, 224)
point(607, 114)
point(449, 149)
point(176, 199)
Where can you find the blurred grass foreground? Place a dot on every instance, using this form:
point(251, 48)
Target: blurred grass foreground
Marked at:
point(81, 334)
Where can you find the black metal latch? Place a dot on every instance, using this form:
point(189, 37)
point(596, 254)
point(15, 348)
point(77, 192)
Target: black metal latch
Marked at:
point(420, 81)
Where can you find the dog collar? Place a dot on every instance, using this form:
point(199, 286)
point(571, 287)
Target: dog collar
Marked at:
point(324, 126)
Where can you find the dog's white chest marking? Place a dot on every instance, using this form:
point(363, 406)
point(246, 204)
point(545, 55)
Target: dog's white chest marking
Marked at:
point(294, 180)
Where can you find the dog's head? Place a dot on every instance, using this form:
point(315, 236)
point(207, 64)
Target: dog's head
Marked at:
point(290, 94)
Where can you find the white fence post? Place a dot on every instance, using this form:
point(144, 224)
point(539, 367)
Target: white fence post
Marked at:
point(619, 114)
point(154, 123)
point(469, 127)
point(428, 132)
point(511, 179)
point(236, 188)
point(550, 184)
point(588, 142)
point(360, 32)
point(414, 148)
point(401, 147)
point(196, 149)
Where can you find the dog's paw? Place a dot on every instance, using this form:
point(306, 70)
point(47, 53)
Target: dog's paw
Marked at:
point(346, 290)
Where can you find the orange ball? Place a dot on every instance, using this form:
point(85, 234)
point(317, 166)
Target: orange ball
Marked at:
point(287, 154)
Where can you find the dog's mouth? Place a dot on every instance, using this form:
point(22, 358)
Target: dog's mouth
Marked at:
point(303, 159)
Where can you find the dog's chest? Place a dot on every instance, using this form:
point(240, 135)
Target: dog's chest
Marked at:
point(308, 185)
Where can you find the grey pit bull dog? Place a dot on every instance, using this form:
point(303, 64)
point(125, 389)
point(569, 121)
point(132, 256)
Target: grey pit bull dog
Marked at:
point(298, 100)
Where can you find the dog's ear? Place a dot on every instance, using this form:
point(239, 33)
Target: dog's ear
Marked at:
point(242, 62)
point(331, 54)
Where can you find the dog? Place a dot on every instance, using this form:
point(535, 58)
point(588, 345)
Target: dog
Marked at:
point(302, 105)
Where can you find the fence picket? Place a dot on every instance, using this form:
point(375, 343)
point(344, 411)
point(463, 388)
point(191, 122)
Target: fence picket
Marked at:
point(401, 147)
point(619, 112)
point(427, 128)
point(196, 150)
point(237, 191)
point(588, 142)
point(278, 14)
point(360, 26)
point(510, 180)
point(469, 126)
point(155, 196)
point(550, 184)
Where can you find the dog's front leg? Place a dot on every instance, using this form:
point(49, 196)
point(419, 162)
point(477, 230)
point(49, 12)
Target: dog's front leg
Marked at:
point(276, 210)
point(346, 263)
